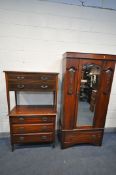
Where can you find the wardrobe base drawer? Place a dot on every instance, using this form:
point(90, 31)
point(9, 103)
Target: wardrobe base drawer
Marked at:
point(31, 138)
point(69, 138)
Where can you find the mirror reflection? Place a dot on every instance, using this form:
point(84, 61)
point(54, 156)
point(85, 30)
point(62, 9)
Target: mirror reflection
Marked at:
point(90, 76)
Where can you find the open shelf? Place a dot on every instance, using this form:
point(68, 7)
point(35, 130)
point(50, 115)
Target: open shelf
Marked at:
point(27, 110)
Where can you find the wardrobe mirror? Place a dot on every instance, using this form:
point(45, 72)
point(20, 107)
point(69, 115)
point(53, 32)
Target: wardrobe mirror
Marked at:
point(87, 95)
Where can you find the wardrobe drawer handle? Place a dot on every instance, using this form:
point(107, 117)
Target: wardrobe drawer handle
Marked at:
point(94, 136)
point(44, 86)
point(20, 86)
point(44, 137)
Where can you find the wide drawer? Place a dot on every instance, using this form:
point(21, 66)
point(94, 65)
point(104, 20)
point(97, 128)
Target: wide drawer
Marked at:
point(28, 138)
point(21, 76)
point(32, 86)
point(83, 137)
point(32, 119)
point(32, 128)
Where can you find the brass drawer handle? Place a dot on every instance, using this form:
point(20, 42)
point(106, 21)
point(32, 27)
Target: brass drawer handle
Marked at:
point(44, 78)
point(20, 86)
point(45, 119)
point(44, 128)
point(93, 136)
point(20, 77)
point(21, 138)
point(21, 129)
point(21, 118)
point(44, 137)
point(44, 86)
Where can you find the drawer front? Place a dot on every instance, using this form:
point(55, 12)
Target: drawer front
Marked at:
point(30, 76)
point(83, 137)
point(32, 86)
point(31, 119)
point(29, 138)
point(32, 128)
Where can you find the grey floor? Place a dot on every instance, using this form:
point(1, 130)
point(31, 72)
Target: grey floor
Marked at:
point(44, 160)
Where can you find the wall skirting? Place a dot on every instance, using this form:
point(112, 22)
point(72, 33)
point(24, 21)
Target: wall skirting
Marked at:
point(110, 129)
point(107, 130)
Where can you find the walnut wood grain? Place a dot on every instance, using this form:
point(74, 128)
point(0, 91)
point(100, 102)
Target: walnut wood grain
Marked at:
point(32, 128)
point(32, 119)
point(32, 123)
point(29, 110)
point(32, 138)
point(94, 56)
point(71, 133)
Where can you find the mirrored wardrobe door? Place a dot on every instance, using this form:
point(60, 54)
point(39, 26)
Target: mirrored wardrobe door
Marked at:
point(87, 92)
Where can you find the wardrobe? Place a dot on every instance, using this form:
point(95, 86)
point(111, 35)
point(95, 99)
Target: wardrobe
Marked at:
point(86, 87)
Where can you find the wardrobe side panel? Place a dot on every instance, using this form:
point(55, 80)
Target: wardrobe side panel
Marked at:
point(104, 93)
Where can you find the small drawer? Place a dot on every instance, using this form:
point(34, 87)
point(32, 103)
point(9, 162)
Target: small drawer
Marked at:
point(32, 128)
point(32, 119)
point(32, 86)
point(21, 76)
point(29, 138)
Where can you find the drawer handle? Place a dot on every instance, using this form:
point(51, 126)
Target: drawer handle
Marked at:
point(44, 128)
point(45, 119)
point(44, 86)
point(20, 86)
point(44, 78)
point(44, 137)
point(94, 136)
point(21, 118)
point(20, 78)
point(21, 138)
point(21, 129)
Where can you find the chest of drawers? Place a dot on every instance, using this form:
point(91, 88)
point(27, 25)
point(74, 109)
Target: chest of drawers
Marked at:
point(32, 123)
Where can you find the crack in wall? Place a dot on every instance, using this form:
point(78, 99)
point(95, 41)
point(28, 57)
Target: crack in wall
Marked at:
point(83, 3)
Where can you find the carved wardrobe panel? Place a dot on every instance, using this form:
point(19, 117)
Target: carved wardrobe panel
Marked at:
point(87, 80)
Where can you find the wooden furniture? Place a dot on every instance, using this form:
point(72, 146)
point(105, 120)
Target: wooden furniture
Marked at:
point(32, 123)
point(78, 124)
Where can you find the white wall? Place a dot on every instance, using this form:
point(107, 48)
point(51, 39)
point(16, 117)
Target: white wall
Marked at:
point(109, 4)
point(34, 35)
